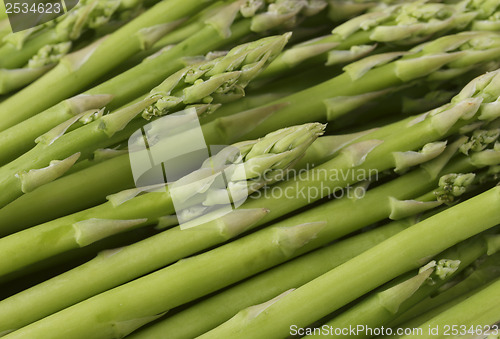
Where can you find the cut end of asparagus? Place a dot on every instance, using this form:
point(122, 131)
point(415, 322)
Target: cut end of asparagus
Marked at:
point(290, 239)
point(34, 178)
point(92, 230)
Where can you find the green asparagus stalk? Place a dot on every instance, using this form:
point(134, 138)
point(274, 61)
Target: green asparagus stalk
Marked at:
point(80, 229)
point(223, 29)
point(76, 192)
point(416, 322)
point(481, 310)
point(188, 28)
point(108, 321)
point(335, 231)
point(19, 68)
point(207, 314)
point(84, 228)
point(220, 77)
point(367, 271)
point(144, 307)
point(71, 195)
point(342, 164)
point(4, 27)
point(379, 308)
point(405, 23)
point(12, 79)
point(86, 15)
point(212, 132)
point(163, 249)
point(453, 54)
point(343, 10)
point(487, 271)
point(424, 130)
point(76, 71)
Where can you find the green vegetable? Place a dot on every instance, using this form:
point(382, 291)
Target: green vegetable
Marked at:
point(282, 147)
point(76, 71)
point(209, 313)
point(478, 311)
point(381, 307)
point(222, 77)
point(405, 24)
point(363, 81)
point(220, 30)
point(486, 271)
point(378, 265)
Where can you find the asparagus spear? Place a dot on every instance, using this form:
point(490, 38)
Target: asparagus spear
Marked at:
point(76, 192)
point(380, 307)
point(86, 15)
point(342, 164)
point(221, 30)
point(370, 269)
point(425, 129)
point(109, 321)
point(222, 130)
point(405, 23)
point(78, 70)
point(21, 64)
point(361, 82)
point(284, 146)
point(224, 76)
point(43, 295)
point(480, 311)
point(207, 314)
point(227, 272)
point(487, 271)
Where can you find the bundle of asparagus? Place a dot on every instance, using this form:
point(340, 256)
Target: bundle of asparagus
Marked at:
point(224, 169)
